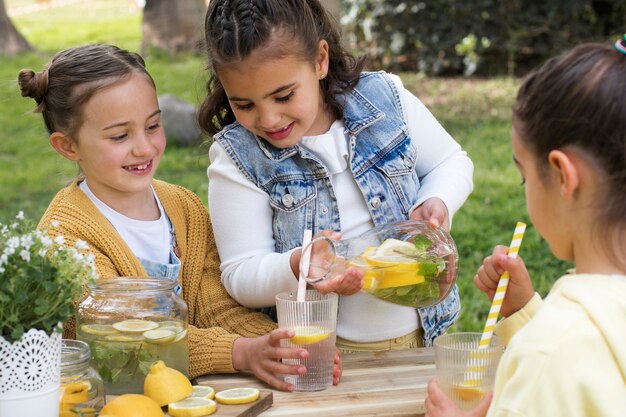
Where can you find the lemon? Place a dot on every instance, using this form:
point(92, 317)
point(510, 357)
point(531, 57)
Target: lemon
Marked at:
point(159, 336)
point(135, 325)
point(392, 264)
point(192, 407)
point(396, 248)
point(237, 396)
point(203, 391)
point(468, 393)
point(307, 335)
point(166, 385)
point(98, 329)
point(75, 393)
point(132, 405)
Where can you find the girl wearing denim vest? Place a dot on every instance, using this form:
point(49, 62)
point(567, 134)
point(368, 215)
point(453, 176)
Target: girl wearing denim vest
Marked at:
point(303, 139)
point(100, 107)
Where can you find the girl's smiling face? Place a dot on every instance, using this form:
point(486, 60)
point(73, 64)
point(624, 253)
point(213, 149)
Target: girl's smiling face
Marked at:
point(121, 141)
point(279, 99)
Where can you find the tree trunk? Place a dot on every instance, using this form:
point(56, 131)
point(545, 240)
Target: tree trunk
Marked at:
point(11, 41)
point(173, 26)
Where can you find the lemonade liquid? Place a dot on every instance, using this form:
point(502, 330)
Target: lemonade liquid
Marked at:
point(319, 364)
point(465, 397)
point(123, 359)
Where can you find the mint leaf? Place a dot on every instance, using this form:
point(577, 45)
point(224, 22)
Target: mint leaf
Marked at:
point(422, 243)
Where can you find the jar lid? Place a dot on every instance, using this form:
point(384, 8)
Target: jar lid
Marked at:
point(74, 352)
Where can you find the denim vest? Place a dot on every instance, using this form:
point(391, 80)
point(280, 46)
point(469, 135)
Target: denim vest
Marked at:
point(382, 160)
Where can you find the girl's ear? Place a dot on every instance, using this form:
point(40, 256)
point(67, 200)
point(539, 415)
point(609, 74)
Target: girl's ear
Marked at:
point(322, 59)
point(567, 171)
point(64, 145)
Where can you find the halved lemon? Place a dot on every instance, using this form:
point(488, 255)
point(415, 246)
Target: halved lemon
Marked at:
point(159, 336)
point(237, 395)
point(307, 335)
point(192, 407)
point(135, 325)
point(203, 391)
point(396, 248)
point(98, 329)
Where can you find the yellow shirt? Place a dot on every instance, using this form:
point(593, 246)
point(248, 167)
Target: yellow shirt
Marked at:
point(567, 355)
point(215, 319)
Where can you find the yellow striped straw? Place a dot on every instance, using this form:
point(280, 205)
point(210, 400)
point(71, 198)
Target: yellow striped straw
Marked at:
point(477, 360)
point(503, 283)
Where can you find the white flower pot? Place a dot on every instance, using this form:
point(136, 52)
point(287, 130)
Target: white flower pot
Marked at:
point(30, 372)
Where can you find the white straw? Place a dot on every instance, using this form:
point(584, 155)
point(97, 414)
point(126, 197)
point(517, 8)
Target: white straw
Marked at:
point(304, 265)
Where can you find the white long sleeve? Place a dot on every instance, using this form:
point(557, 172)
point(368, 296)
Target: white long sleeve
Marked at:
point(252, 272)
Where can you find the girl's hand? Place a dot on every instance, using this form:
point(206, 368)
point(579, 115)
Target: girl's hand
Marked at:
point(520, 288)
point(262, 355)
point(433, 211)
point(337, 368)
point(437, 404)
point(348, 283)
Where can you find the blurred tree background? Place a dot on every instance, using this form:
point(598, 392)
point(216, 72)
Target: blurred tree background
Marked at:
point(482, 37)
point(429, 44)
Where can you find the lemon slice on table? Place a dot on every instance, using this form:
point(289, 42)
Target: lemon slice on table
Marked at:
point(192, 407)
point(307, 335)
point(237, 395)
point(135, 325)
point(203, 391)
point(98, 329)
point(159, 336)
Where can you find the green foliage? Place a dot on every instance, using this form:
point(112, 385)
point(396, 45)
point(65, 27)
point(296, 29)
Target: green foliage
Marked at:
point(488, 36)
point(40, 278)
point(476, 113)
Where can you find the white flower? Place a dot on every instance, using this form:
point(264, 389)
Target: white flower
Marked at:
point(13, 242)
point(20, 215)
point(59, 240)
point(55, 223)
point(27, 241)
point(81, 245)
point(45, 241)
point(25, 255)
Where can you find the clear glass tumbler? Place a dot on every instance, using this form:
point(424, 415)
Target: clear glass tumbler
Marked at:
point(82, 390)
point(315, 322)
point(465, 372)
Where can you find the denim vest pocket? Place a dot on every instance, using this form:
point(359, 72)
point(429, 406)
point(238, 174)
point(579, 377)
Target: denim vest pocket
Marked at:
point(289, 196)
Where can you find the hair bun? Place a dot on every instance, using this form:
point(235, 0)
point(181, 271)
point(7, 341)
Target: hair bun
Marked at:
point(32, 84)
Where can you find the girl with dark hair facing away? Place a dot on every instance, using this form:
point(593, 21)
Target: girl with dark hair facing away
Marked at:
point(565, 356)
point(100, 107)
point(304, 139)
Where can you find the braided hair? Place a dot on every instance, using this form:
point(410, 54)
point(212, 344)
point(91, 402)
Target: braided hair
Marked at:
point(236, 28)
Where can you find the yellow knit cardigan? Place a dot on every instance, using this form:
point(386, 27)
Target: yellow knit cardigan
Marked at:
point(215, 319)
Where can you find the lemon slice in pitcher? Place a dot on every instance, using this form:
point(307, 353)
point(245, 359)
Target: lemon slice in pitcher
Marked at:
point(98, 329)
point(393, 265)
point(159, 336)
point(307, 335)
point(237, 396)
point(135, 326)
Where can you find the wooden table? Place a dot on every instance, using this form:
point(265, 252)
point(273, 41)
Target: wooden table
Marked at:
point(373, 384)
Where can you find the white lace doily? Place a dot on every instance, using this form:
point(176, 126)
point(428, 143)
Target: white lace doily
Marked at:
point(30, 364)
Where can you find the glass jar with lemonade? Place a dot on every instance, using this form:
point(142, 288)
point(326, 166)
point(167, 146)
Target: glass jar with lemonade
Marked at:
point(409, 263)
point(82, 390)
point(129, 324)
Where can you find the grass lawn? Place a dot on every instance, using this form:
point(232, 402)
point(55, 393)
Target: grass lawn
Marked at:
point(475, 111)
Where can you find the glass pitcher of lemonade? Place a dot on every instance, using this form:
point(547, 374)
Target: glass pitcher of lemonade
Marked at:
point(130, 323)
point(410, 263)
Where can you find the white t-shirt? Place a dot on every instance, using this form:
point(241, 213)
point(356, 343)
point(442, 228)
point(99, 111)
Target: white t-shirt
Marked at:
point(147, 239)
point(253, 273)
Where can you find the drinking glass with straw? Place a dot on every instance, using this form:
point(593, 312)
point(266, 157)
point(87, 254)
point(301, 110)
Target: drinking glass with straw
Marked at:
point(466, 362)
